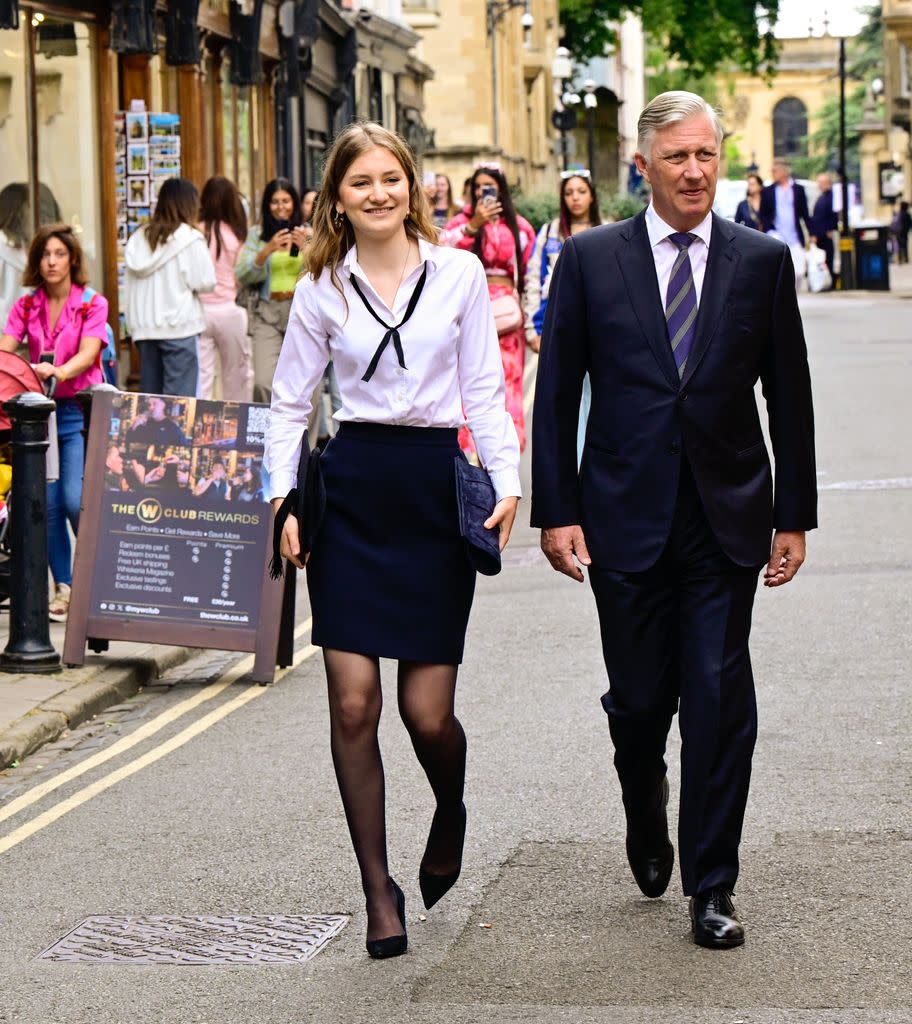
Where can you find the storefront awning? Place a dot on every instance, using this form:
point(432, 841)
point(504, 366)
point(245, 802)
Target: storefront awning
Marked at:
point(133, 27)
point(9, 14)
point(182, 37)
point(245, 19)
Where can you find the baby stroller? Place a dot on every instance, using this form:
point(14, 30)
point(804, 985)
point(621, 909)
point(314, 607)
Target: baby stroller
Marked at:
point(16, 376)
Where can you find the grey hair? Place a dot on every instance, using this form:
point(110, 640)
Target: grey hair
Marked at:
point(669, 108)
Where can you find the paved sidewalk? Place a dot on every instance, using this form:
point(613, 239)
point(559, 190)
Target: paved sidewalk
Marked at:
point(37, 709)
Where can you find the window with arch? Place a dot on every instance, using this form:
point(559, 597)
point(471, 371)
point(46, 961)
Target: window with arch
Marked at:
point(790, 128)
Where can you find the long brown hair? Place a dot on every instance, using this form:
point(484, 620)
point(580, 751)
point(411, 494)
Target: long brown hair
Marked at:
point(331, 241)
point(595, 217)
point(178, 203)
point(220, 203)
point(508, 212)
point(31, 276)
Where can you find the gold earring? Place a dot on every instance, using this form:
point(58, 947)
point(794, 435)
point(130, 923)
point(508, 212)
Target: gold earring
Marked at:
point(337, 219)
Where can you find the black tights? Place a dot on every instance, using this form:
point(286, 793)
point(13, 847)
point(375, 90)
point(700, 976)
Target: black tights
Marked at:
point(426, 704)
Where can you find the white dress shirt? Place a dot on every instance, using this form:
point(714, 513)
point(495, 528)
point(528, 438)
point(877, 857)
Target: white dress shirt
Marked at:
point(451, 351)
point(784, 218)
point(665, 252)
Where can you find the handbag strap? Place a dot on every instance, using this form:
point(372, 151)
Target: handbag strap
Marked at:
point(392, 333)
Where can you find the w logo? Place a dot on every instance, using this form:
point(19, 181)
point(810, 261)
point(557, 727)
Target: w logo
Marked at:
point(149, 510)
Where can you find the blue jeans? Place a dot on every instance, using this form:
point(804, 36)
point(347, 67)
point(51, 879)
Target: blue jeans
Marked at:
point(168, 367)
point(65, 494)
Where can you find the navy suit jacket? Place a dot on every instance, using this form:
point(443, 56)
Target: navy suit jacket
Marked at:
point(606, 318)
point(824, 219)
point(768, 208)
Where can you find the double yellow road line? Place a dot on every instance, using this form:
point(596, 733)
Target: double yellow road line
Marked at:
point(143, 733)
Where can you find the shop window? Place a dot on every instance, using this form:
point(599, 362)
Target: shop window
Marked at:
point(242, 139)
point(61, 140)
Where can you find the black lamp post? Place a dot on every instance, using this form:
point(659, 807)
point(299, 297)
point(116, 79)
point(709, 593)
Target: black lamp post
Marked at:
point(564, 115)
point(846, 247)
point(590, 102)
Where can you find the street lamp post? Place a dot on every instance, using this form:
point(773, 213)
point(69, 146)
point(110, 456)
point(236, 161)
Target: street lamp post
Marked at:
point(564, 116)
point(495, 11)
point(590, 102)
point(846, 265)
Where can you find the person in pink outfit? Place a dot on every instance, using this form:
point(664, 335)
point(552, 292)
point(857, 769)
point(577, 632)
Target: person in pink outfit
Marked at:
point(503, 241)
point(224, 223)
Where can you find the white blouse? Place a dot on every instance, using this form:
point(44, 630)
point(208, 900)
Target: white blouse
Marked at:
point(451, 353)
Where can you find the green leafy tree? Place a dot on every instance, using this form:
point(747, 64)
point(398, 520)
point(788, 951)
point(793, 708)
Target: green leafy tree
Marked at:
point(701, 36)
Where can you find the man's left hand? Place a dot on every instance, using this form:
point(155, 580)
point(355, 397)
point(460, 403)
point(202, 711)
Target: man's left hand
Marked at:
point(786, 559)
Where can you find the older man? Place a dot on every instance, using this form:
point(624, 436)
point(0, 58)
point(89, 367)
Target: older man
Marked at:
point(675, 315)
point(784, 206)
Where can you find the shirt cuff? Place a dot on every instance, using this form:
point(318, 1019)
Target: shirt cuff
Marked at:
point(506, 483)
point(280, 483)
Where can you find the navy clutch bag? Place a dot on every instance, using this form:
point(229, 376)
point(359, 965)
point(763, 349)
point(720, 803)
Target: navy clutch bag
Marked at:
point(306, 502)
point(475, 499)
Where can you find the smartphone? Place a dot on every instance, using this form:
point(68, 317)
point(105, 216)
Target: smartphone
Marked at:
point(46, 357)
point(284, 225)
point(429, 179)
point(489, 194)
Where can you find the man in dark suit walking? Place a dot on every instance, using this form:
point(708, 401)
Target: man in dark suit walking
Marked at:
point(824, 220)
point(784, 206)
point(675, 315)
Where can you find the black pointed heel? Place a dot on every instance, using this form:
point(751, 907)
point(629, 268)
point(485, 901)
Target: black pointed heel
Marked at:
point(393, 945)
point(435, 887)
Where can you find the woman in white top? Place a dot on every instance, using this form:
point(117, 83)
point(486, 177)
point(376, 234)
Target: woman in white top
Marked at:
point(388, 574)
point(167, 266)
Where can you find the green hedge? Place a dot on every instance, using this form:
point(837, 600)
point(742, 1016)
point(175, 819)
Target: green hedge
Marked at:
point(542, 207)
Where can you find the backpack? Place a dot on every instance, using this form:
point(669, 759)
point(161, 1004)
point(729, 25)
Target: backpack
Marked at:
point(108, 355)
point(109, 349)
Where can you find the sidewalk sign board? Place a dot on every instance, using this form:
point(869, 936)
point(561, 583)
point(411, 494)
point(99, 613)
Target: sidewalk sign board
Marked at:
point(175, 532)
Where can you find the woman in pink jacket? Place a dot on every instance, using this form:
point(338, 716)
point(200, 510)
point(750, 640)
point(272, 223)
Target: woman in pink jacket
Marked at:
point(492, 229)
point(224, 223)
point(64, 321)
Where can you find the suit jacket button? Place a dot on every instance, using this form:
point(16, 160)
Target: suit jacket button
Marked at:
point(683, 396)
point(675, 449)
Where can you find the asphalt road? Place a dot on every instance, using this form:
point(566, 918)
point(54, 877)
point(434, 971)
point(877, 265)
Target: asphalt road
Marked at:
point(229, 806)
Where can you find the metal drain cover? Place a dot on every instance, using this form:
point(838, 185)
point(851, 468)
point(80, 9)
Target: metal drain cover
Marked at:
point(196, 940)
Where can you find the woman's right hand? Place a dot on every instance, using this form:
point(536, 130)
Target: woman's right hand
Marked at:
point(485, 212)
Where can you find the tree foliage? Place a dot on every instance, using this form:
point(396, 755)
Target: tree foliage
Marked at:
point(699, 35)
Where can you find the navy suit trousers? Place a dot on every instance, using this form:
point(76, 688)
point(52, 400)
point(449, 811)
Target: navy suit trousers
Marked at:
point(675, 637)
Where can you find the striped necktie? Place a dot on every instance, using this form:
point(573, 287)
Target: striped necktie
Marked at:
point(681, 301)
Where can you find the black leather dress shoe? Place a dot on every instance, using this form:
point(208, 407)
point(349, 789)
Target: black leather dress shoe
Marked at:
point(649, 850)
point(714, 922)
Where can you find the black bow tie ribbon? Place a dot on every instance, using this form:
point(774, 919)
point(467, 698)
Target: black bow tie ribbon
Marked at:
point(392, 333)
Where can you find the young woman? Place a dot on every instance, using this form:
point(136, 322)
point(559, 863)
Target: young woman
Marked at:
point(224, 223)
point(57, 319)
point(388, 574)
point(444, 209)
point(168, 265)
point(578, 211)
point(492, 229)
point(15, 232)
point(269, 264)
point(308, 198)
point(748, 211)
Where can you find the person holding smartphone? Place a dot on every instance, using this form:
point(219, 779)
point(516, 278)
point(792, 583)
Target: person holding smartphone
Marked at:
point(503, 241)
point(269, 266)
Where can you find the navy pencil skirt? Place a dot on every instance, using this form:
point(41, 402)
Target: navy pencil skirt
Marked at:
point(388, 575)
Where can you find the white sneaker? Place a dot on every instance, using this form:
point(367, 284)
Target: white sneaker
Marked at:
point(59, 604)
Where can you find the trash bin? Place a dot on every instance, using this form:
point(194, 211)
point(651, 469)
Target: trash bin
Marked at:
point(872, 258)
